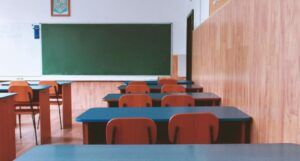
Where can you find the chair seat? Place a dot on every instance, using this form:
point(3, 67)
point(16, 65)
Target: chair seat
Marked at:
point(26, 111)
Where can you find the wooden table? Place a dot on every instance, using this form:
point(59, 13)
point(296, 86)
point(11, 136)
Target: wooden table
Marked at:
point(155, 82)
point(64, 88)
point(201, 99)
point(7, 127)
point(41, 95)
point(235, 126)
point(246, 152)
point(157, 88)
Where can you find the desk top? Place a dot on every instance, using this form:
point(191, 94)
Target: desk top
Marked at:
point(159, 96)
point(155, 82)
point(33, 83)
point(5, 95)
point(122, 87)
point(221, 152)
point(160, 114)
point(34, 88)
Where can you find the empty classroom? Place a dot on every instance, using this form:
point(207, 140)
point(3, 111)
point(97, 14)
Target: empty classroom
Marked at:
point(150, 80)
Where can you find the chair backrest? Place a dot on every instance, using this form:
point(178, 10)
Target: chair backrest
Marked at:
point(19, 83)
point(193, 128)
point(172, 88)
point(164, 81)
point(135, 100)
point(53, 90)
point(131, 131)
point(177, 100)
point(24, 93)
point(137, 89)
point(137, 83)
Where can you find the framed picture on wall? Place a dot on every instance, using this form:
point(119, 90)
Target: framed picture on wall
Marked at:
point(60, 8)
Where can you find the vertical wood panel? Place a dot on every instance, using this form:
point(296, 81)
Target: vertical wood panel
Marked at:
point(89, 94)
point(214, 5)
point(175, 66)
point(248, 53)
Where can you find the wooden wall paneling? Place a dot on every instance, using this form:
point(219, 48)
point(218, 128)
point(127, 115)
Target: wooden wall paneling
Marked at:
point(248, 54)
point(174, 68)
point(89, 94)
point(214, 5)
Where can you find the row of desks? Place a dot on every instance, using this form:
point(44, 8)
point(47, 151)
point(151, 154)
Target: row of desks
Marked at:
point(246, 152)
point(234, 124)
point(157, 88)
point(41, 95)
point(201, 99)
point(155, 82)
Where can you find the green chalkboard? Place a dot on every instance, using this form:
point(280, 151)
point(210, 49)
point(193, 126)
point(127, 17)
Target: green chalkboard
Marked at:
point(106, 49)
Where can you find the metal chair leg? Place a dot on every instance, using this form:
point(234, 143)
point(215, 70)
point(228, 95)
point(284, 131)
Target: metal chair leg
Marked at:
point(38, 123)
point(57, 100)
point(34, 126)
point(59, 117)
point(20, 130)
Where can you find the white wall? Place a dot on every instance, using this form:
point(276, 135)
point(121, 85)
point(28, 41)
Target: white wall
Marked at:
point(22, 53)
point(201, 13)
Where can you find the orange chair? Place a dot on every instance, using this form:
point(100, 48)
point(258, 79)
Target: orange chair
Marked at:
point(137, 89)
point(54, 94)
point(194, 128)
point(135, 100)
point(19, 83)
point(23, 98)
point(177, 100)
point(137, 83)
point(164, 81)
point(172, 88)
point(131, 131)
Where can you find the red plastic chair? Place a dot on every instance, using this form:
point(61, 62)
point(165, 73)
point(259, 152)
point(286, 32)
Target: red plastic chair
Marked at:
point(135, 100)
point(137, 83)
point(172, 88)
point(194, 128)
point(177, 100)
point(19, 83)
point(23, 98)
point(137, 89)
point(131, 131)
point(164, 81)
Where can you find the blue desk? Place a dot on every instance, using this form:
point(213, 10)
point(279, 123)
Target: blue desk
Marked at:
point(155, 82)
point(201, 99)
point(64, 89)
point(41, 95)
point(35, 88)
point(234, 124)
point(5, 95)
point(247, 152)
point(157, 88)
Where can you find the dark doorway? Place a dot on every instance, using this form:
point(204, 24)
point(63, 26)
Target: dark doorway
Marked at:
point(189, 45)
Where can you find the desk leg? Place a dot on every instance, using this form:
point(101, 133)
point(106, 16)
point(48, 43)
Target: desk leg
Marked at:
point(67, 106)
point(7, 130)
point(45, 125)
